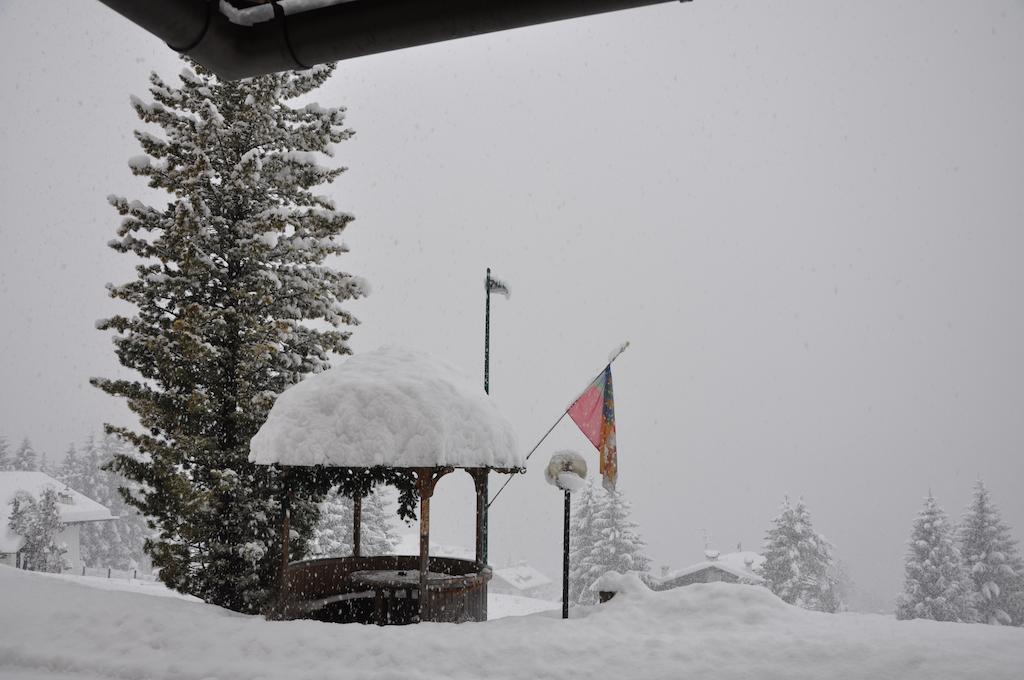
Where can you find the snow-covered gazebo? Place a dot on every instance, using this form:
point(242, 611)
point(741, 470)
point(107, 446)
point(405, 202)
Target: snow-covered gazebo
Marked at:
point(402, 417)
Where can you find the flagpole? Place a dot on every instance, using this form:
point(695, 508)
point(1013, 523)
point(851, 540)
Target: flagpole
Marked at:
point(611, 360)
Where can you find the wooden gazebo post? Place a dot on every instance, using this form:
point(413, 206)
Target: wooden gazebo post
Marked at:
point(423, 481)
point(426, 480)
point(357, 524)
point(480, 484)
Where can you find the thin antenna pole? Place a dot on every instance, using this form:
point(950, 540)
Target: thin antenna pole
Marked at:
point(487, 333)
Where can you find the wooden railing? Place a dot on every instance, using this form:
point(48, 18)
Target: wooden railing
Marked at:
point(321, 589)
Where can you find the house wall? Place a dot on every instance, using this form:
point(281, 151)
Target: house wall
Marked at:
point(500, 586)
point(70, 538)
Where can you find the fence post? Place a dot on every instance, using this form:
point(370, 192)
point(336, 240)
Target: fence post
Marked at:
point(83, 570)
point(135, 574)
point(108, 572)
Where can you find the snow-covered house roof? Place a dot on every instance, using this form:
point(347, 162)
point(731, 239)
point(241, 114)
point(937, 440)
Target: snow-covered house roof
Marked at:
point(743, 565)
point(392, 407)
point(522, 576)
point(73, 506)
point(409, 544)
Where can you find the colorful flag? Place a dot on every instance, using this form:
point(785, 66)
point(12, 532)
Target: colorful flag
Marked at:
point(594, 413)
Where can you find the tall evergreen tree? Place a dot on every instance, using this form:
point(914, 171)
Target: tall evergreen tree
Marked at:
point(5, 456)
point(25, 457)
point(798, 564)
point(233, 268)
point(993, 562)
point(936, 585)
point(602, 538)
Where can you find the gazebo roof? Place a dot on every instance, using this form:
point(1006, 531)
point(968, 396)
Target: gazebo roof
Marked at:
point(393, 407)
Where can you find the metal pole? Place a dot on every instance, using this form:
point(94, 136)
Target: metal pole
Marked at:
point(487, 334)
point(565, 560)
point(357, 524)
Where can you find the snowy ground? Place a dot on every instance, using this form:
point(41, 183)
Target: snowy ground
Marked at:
point(59, 630)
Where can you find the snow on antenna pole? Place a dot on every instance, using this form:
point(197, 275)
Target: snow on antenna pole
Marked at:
point(611, 359)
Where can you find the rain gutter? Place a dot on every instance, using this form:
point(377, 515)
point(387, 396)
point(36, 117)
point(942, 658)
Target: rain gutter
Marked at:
point(233, 49)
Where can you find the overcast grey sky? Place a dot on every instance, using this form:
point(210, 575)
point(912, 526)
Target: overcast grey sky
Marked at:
point(807, 217)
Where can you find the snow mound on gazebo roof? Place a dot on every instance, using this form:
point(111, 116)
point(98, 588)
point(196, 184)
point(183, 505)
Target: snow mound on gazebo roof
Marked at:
point(392, 407)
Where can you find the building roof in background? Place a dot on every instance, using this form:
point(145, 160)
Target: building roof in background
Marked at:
point(409, 544)
point(741, 564)
point(522, 576)
point(81, 508)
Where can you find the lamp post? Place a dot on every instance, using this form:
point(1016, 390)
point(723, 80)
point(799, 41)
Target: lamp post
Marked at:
point(568, 471)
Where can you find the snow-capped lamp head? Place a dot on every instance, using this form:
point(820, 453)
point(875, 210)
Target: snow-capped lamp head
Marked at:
point(567, 470)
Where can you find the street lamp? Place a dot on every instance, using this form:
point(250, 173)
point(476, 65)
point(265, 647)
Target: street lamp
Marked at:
point(568, 471)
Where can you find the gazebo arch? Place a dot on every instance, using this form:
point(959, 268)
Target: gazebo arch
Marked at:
point(398, 417)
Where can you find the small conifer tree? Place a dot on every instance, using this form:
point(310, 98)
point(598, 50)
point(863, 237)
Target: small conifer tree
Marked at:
point(993, 562)
point(936, 585)
point(37, 521)
point(5, 455)
point(798, 564)
point(582, 573)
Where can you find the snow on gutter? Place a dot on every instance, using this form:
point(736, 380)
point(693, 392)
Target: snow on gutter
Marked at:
point(298, 34)
point(250, 16)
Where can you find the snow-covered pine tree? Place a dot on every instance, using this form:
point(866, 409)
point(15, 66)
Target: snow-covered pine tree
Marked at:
point(798, 564)
point(609, 541)
point(5, 456)
point(936, 585)
point(232, 269)
point(332, 536)
point(37, 521)
point(70, 471)
point(377, 529)
point(25, 457)
point(582, 570)
point(118, 543)
point(993, 562)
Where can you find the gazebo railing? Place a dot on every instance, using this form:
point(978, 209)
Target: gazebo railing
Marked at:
point(323, 589)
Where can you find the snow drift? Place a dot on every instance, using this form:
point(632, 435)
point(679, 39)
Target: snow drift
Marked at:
point(721, 631)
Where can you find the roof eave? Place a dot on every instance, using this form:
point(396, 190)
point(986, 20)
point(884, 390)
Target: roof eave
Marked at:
point(341, 31)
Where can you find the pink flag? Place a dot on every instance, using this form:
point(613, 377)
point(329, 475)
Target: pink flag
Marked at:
point(594, 413)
